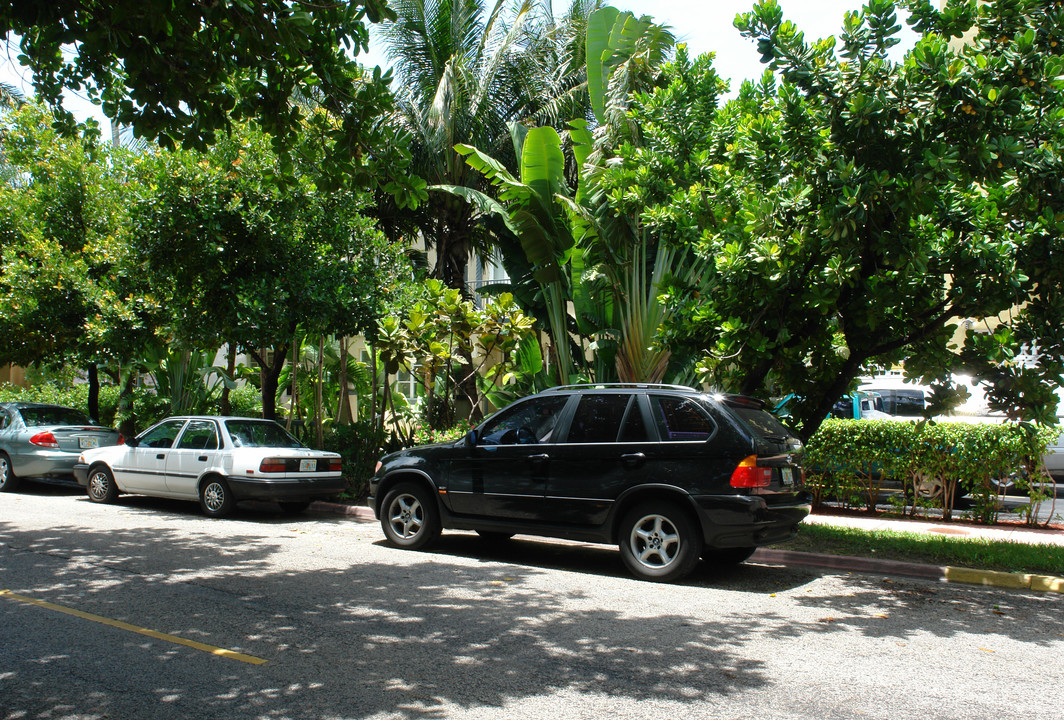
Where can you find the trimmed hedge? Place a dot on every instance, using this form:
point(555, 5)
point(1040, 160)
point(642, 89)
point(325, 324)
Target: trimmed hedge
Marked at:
point(849, 460)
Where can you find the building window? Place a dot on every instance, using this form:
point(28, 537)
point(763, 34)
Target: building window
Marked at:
point(405, 381)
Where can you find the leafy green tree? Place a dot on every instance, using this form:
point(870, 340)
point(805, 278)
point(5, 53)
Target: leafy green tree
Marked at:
point(854, 210)
point(184, 71)
point(241, 256)
point(435, 337)
point(69, 292)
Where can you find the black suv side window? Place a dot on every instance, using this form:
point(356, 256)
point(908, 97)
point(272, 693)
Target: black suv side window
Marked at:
point(681, 419)
point(528, 422)
point(607, 419)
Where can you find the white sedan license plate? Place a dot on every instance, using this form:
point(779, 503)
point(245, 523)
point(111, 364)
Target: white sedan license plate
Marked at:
point(788, 476)
point(88, 442)
point(308, 465)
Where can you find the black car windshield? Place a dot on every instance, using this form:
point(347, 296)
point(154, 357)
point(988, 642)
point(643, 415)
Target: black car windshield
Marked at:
point(41, 416)
point(260, 433)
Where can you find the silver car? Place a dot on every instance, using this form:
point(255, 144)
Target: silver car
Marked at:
point(1054, 457)
point(44, 441)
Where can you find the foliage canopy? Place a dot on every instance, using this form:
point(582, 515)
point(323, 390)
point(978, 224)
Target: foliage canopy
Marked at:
point(855, 211)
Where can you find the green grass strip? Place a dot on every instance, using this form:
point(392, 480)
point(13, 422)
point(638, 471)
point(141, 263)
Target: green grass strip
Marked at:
point(934, 549)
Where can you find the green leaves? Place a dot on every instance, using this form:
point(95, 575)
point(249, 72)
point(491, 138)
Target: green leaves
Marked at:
point(156, 67)
point(845, 456)
point(623, 53)
point(599, 30)
point(853, 212)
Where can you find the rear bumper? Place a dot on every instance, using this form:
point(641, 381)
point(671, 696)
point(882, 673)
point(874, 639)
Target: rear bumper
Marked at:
point(45, 463)
point(752, 520)
point(288, 489)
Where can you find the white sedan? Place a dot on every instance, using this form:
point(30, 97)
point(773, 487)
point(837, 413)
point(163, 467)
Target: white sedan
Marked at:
point(215, 460)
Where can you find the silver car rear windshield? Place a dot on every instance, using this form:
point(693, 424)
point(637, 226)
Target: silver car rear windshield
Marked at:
point(39, 417)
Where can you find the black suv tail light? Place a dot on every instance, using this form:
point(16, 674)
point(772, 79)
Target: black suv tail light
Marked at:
point(748, 475)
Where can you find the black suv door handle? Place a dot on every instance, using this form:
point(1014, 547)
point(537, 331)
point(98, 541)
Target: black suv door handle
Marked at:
point(633, 460)
point(538, 459)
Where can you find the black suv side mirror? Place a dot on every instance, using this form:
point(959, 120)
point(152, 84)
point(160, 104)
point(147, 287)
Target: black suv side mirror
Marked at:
point(471, 439)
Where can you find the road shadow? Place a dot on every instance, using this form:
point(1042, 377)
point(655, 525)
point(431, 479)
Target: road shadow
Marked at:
point(421, 635)
point(605, 560)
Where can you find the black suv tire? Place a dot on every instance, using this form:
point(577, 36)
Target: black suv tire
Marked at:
point(409, 516)
point(660, 541)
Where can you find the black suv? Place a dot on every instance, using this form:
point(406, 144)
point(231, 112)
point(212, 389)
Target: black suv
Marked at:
point(669, 473)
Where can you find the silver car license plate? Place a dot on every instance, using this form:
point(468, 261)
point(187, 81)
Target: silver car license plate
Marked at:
point(88, 442)
point(308, 465)
point(788, 476)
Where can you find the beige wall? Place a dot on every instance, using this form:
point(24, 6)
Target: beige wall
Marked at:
point(13, 374)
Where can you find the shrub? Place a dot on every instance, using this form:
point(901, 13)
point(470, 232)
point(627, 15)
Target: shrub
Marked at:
point(848, 459)
point(245, 401)
point(424, 435)
point(360, 445)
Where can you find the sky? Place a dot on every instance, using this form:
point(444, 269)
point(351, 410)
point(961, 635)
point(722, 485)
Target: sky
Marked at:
point(705, 25)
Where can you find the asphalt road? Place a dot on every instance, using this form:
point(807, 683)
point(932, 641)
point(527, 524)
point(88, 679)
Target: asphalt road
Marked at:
point(351, 628)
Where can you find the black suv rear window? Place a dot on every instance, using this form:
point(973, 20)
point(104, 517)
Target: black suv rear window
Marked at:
point(762, 422)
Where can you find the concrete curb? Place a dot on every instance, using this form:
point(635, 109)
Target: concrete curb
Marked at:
point(968, 576)
point(843, 563)
point(359, 512)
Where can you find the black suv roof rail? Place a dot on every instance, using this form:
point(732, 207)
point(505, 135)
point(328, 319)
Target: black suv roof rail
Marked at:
point(622, 385)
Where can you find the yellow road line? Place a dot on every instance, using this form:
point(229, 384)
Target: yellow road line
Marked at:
point(133, 628)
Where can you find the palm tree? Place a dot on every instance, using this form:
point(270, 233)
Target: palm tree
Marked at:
point(463, 72)
point(10, 97)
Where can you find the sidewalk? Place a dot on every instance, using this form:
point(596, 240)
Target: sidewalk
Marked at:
point(1009, 533)
point(842, 563)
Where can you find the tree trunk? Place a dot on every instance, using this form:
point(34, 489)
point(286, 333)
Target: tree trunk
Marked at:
point(128, 427)
point(230, 370)
point(94, 393)
point(818, 407)
point(270, 375)
point(294, 390)
point(319, 411)
point(373, 378)
point(343, 411)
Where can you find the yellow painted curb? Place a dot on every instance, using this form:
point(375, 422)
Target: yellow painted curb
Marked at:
point(988, 577)
point(1047, 583)
point(1016, 581)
